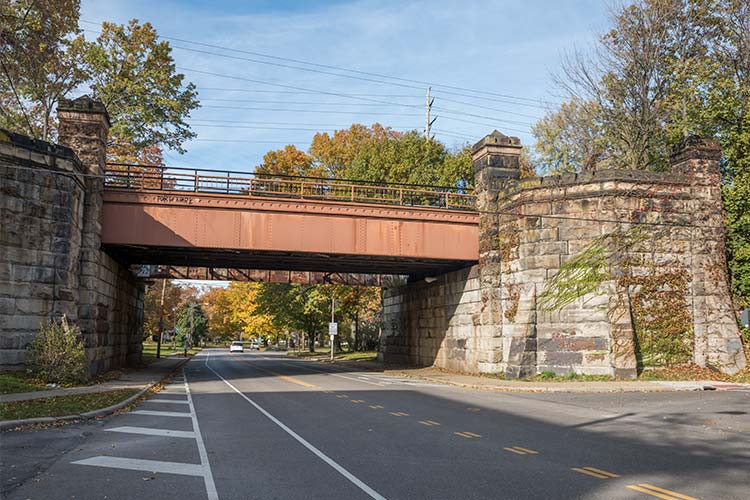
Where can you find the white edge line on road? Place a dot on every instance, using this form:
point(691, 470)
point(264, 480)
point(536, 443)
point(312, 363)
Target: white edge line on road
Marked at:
point(143, 465)
point(208, 476)
point(341, 470)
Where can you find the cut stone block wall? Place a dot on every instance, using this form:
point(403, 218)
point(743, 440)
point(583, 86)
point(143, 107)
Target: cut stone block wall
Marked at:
point(51, 262)
point(432, 323)
point(529, 228)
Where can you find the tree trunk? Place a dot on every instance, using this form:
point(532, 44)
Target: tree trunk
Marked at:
point(357, 340)
point(311, 341)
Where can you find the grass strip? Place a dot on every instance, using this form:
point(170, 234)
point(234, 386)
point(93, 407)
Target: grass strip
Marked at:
point(14, 382)
point(58, 406)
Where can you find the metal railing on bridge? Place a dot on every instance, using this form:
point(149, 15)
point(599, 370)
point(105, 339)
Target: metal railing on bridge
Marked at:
point(156, 178)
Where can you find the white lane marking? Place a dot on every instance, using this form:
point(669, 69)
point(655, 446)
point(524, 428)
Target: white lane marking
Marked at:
point(208, 476)
point(160, 413)
point(341, 470)
point(143, 465)
point(170, 401)
point(148, 431)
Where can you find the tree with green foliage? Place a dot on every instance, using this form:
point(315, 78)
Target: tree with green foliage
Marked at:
point(41, 60)
point(44, 57)
point(301, 308)
point(133, 74)
point(192, 324)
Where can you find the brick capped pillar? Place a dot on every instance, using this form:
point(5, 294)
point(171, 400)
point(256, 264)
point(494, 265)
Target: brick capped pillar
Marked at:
point(717, 339)
point(84, 127)
point(496, 172)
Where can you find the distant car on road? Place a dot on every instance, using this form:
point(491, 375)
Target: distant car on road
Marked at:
point(237, 346)
point(255, 345)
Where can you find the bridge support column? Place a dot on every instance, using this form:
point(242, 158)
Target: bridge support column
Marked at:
point(110, 307)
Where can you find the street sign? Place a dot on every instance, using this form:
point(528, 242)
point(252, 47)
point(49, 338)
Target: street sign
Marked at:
point(333, 329)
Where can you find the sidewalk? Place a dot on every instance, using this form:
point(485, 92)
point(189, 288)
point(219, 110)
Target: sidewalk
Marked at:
point(135, 378)
point(438, 376)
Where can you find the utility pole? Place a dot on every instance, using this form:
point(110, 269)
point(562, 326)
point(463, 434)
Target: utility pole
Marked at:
point(161, 318)
point(333, 320)
point(427, 109)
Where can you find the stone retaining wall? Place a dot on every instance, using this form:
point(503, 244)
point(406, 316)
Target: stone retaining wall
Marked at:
point(51, 262)
point(659, 238)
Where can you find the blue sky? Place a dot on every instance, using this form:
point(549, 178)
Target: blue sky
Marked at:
point(499, 48)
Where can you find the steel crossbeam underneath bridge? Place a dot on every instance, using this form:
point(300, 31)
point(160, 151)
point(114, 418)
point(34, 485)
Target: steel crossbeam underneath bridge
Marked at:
point(235, 229)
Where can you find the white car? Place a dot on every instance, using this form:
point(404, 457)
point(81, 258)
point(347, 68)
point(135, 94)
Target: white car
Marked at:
point(236, 346)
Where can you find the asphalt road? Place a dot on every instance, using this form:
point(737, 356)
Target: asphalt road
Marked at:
point(263, 426)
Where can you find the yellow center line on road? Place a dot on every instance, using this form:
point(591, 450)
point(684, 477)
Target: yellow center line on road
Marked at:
point(467, 434)
point(655, 491)
point(589, 473)
point(523, 450)
point(517, 452)
point(283, 377)
point(358, 401)
point(600, 471)
point(429, 423)
point(399, 414)
point(376, 407)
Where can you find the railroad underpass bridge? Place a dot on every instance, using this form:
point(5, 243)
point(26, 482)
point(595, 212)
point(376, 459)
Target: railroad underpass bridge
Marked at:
point(477, 260)
point(182, 220)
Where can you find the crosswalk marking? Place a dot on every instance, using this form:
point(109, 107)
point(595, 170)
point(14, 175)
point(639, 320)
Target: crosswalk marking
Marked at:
point(148, 431)
point(170, 401)
point(143, 465)
point(161, 413)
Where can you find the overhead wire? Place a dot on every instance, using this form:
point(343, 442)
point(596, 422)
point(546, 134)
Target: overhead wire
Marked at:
point(331, 67)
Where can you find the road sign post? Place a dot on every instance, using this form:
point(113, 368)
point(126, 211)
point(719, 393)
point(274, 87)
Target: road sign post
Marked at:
point(333, 330)
point(745, 318)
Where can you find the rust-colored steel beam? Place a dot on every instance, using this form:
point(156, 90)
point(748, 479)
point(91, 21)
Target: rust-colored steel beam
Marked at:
point(226, 223)
point(256, 275)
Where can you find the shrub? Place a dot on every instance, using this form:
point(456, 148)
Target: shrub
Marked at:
point(547, 375)
point(57, 354)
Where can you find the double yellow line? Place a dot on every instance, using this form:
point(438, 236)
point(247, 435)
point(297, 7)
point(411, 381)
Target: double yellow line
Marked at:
point(521, 451)
point(283, 377)
point(657, 492)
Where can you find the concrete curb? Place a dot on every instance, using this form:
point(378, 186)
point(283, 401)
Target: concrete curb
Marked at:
point(101, 412)
point(572, 387)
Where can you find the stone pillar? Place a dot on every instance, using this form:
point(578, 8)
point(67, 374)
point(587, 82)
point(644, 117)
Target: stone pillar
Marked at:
point(717, 339)
point(496, 172)
point(84, 127)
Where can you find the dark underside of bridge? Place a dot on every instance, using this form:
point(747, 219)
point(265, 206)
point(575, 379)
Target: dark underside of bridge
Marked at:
point(256, 259)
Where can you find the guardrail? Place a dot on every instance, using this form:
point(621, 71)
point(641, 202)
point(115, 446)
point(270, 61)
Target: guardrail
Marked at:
point(145, 177)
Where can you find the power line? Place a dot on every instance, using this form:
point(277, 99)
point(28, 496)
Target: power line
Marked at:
point(327, 66)
point(304, 92)
point(329, 112)
point(273, 84)
point(304, 103)
point(447, 99)
point(509, 129)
